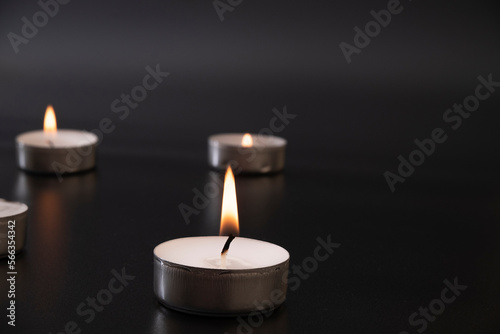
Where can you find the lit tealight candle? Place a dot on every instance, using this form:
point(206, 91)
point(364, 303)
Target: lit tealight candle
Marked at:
point(12, 227)
point(247, 153)
point(220, 275)
point(56, 151)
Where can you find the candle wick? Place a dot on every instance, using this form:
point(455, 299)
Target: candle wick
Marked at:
point(51, 144)
point(225, 249)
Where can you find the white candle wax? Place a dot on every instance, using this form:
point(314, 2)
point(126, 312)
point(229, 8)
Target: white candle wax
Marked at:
point(204, 252)
point(235, 140)
point(60, 139)
point(8, 209)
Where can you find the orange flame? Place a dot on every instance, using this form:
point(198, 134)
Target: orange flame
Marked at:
point(247, 140)
point(229, 223)
point(49, 123)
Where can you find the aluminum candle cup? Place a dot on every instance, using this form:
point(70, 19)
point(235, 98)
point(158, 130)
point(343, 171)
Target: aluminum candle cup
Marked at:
point(188, 276)
point(66, 151)
point(263, 154)
point(12, 227)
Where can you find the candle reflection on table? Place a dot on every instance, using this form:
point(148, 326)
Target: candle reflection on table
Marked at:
point(168, 321)
point(53, 205)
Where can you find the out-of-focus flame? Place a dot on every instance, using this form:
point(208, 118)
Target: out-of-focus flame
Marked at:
point(247, 140)
point(49, 123)
point(229, 219)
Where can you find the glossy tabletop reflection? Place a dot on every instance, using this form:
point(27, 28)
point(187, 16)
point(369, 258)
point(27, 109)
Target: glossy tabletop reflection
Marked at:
point(390, 254)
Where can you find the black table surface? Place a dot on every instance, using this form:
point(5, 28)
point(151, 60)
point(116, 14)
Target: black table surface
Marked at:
point(424, 258)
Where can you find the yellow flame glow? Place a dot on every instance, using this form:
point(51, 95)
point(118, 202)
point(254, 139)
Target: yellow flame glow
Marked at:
point(247, 140)
point(229, 223)
point(49, 123)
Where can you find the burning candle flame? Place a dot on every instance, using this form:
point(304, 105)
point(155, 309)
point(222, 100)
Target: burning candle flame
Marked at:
point(247, 140)
point(49, 123)
point(229, 219)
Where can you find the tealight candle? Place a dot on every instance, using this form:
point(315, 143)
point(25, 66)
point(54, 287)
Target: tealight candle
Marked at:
point(247, 153)
point(12, 227)
point(220, 276)
point(56, 151)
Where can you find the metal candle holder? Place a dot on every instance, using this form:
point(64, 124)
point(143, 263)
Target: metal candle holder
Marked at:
point(266, 155)
point(215, 291)
point(17, 213)
point(59, 160)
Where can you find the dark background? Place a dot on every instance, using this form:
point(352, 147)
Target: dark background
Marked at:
point(353, 121)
